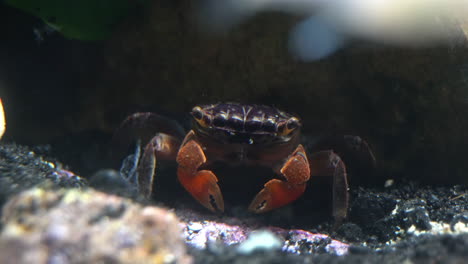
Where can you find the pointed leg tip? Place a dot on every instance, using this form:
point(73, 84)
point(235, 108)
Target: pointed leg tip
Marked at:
point(276, 194)
point(338, 221)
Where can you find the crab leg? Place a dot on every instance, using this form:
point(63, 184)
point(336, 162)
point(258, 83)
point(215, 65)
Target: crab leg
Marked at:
point(328, 163)
point(144, 127)
point(160, 146)
point(201, 184)
point(277, 193)
point(355, 152)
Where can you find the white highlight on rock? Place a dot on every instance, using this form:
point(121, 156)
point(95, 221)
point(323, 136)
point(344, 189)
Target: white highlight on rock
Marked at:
point(260, 240)
point(439, 228)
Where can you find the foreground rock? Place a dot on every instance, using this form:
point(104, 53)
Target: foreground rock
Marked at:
point(87, 227)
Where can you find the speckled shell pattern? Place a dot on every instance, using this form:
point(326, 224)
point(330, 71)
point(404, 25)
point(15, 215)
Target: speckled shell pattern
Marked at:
point(234, 117)
point(244, 133)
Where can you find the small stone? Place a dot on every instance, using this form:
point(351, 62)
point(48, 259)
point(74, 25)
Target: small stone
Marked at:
point(260, 240)
point(388, 183)
point(195, 226)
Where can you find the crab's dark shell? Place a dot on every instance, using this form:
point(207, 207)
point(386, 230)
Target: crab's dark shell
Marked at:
point(245, 124)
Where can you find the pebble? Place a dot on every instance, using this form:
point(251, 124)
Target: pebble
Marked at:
point(260, 240)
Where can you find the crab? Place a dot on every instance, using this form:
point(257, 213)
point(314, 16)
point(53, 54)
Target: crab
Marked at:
point(234, 133)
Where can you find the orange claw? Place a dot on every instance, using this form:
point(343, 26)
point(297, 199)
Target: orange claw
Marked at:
point(202, 185)
point(190, 156)
point(278, 193)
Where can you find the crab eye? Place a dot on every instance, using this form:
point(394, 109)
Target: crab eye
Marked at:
point(198, 115)
point(292, 124)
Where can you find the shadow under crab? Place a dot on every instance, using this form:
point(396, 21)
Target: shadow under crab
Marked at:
point(236, 135)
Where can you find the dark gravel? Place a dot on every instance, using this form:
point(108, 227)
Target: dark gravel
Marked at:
point(404, 222)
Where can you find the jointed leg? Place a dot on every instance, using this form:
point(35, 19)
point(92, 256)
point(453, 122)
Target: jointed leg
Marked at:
point(160, 146)
point(161, 137)
point(328, 163)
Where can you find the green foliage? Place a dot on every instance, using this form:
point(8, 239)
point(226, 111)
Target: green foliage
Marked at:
point(79, 19)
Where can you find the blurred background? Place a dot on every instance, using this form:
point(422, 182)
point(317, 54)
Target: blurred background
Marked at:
point(393, 72)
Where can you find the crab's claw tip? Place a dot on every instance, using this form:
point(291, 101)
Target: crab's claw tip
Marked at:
point(261, 203)
point(276, 194)
point(204, 188)
point(209, 194)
